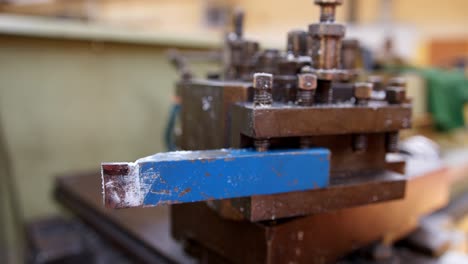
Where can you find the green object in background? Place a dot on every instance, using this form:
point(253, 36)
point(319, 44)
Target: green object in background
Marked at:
point(447, 94)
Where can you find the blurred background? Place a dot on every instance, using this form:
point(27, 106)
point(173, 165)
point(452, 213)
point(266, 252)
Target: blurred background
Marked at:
point(86, 81)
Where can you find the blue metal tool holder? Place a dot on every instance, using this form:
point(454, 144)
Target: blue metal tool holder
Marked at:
point(191, 176)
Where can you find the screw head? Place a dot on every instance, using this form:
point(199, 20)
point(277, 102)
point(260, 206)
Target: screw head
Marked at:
point(395, 95)
point(307, 81)
point(363, 90)
point(263, 81)
point(377, 81)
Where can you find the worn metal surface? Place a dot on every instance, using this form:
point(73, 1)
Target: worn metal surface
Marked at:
point(55, 240)
point(262, 84)
point(205, 115)
point(191, 176)
point(347, 192)
point(139, 232)
point(356, 126)
point(143, 233)
point(356, 185)
point(326, 37)
point(320, 238)
point(344, 160)
point(293, 121)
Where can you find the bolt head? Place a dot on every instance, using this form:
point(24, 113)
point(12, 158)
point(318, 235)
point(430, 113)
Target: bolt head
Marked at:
point(377, 81)
point(395, 95)
point(327, 29)
point(263, 81)
point(363, 90)
point(307, 81)
point(297, 42)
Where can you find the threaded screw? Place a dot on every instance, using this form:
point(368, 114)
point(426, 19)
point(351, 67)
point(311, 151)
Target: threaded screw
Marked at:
point(359, 142)
point(262, 145)
point(395, 95)
point(391, 141)
point(263, 83)
point(327, 9)
point(376, 80)
point(307, 84)
point(396, 90)
point(363, 92)
point(324, 92)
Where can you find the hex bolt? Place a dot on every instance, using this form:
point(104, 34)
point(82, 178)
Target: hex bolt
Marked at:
point(307, 84)
point(391, 141)
point(297, 43)
point(377, 81)
point(263, 83)
point(363, 92)
point(396, 90)
point(262, 145)
point(359, 142)
point(324, 46)
point(395, 95)
point(324, 92)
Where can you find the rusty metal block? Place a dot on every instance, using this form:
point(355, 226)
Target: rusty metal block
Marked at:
point(345, 192)
point(205, 115)
point(321, 238)
point(294, 121)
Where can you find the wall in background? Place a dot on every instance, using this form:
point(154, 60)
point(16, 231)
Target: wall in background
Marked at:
point(69, 105)
point(433, 17)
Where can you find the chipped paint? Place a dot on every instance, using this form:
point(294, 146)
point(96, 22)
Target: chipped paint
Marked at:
point(121, 185)
point(184, 192)
point(185, 176)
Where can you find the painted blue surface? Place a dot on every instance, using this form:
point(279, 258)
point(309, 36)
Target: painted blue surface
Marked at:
point(178, 177)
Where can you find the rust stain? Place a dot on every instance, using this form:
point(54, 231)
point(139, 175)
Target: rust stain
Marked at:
point(207, 174)
point(115, 169)
point(161, 180)
point(315, 185)
point(229, 159)
point(184, 192)
point(278, 174)
point(207, 197)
